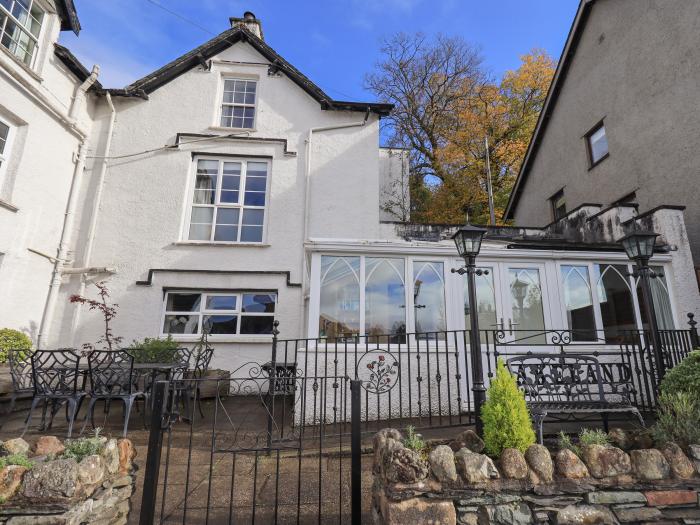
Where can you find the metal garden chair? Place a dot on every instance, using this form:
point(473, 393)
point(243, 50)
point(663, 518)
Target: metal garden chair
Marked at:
point(21, 374)
point(56, 374)
point(112, 378)
point(195, 364)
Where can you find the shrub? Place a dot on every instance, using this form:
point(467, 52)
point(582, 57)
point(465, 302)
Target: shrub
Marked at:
point(565, 442)
point(505, 415)
point(16, 459)
point(677, 419)
point(593, 437)
point(684, 377)
point(413, 440)
point(154, 350)
point(80, 448)
point(12, 340)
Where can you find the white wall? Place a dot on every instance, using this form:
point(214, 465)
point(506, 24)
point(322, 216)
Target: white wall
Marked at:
point(35, 183)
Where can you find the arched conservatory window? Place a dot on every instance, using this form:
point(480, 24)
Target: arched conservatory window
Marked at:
point(340, 297)
point(578, 303)
point(616, 303)
point(385, 298)
point(429, 297)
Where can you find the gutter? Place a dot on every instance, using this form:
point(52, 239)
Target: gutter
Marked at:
point(90, 243)
point(69, 219)
point(307, 193)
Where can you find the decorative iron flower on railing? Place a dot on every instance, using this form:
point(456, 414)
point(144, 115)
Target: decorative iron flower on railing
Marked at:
point(378, 370)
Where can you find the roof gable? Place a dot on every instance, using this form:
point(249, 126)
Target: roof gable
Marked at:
point(199, 55)
point(567, 55)
point(68, 15)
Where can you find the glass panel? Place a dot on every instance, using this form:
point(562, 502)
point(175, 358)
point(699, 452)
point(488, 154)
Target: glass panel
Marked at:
point(661, 299)
point(227, 216)
point(4, 132)
point(220, 324)
point(183, 302)
point(526, 303)
point(259, 303)
point(616, 303)
point(385, 298)
point(181, 324)
point(221, 302)
point(485, 301)
point(200, 223)
point(254, 198)
point(226, 233)
point(599, 144)
point(578, 303)
point(205, 184)
point(254, 324)
point(200, 232)
point(429, 297)
point(253, 217)
point(251, 234)
point(340, 297)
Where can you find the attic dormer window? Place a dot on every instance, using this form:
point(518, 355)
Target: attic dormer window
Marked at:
point(238, 105)
point(20, 25)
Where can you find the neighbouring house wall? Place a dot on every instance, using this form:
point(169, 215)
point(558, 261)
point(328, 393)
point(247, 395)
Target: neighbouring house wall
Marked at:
point(36, 180)
point(638, 67)
point(394, 191)
point(146, 202)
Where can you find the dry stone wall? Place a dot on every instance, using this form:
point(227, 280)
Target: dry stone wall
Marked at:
point(53, 488)
point(456, 484)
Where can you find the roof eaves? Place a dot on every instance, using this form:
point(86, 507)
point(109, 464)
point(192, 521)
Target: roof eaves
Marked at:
point(69, 16)
point(73, 64)
point(559, 76)
point(180, 65)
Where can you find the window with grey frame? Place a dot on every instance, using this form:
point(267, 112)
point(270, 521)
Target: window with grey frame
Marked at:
point(20, 26)
point(558, 204)
point(597, 144)
point(229, 200)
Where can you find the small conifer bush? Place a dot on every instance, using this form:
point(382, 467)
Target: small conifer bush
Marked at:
point(505, 415)
point(684, 377)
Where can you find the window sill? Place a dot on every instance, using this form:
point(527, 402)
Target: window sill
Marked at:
point(223, 244)
point(214, 339)
point(7, 205)
point(232, 130)
point(21, 64)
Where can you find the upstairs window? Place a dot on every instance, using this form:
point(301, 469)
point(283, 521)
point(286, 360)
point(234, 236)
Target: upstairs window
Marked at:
point(4, 148)
point(597, 142)
point(558, 203)
point(238, 106)
point(20, 25)
point(228, 201)
point(194, 313)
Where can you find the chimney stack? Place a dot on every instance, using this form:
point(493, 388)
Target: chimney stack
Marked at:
point(248, 21)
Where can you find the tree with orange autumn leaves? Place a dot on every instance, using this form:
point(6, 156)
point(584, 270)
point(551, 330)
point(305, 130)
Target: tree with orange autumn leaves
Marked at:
point(446, 105)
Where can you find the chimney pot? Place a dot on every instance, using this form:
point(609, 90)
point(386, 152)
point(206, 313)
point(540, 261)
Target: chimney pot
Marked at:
point(250, 22)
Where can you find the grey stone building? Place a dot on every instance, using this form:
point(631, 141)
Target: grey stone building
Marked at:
point(621, 122)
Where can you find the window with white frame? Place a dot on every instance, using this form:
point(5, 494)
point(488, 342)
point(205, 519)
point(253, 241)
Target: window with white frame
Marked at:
point(219, 313)
point(20, 25)
point(228, 201)
point(4, 147)
point(238, 104)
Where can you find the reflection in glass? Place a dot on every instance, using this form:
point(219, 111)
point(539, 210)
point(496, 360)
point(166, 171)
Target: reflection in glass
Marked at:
point(616, 303)
point(385, 298)
point(429, 297)
point(339, 314)
point(526, 301)
point(578, 303)
point(485, 303)
point(660, 298)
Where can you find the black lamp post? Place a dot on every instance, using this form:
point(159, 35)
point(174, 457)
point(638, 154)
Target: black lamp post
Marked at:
point(468, 241)
point(639, 246)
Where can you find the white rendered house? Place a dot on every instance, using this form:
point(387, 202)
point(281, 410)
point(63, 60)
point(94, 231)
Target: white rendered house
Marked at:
point(226, 190)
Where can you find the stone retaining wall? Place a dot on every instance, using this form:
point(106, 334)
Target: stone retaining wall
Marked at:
point(59, 490)
point(456, 484)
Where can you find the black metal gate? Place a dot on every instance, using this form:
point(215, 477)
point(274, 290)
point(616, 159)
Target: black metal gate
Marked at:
point(247, 456)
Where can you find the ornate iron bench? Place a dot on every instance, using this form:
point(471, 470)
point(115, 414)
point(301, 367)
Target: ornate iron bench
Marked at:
point(573, 384)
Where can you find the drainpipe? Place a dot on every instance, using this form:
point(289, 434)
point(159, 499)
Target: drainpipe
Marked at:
point(90, 242)
point(69, 219)
point(307, 195)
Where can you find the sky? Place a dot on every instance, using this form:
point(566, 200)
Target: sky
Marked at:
point(333, 42)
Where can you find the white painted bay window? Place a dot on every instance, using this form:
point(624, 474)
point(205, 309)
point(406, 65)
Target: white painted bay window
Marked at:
point(20, 26)
point(228, 201)
point(220, 313)
point(238, 104)
point(4, 145)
